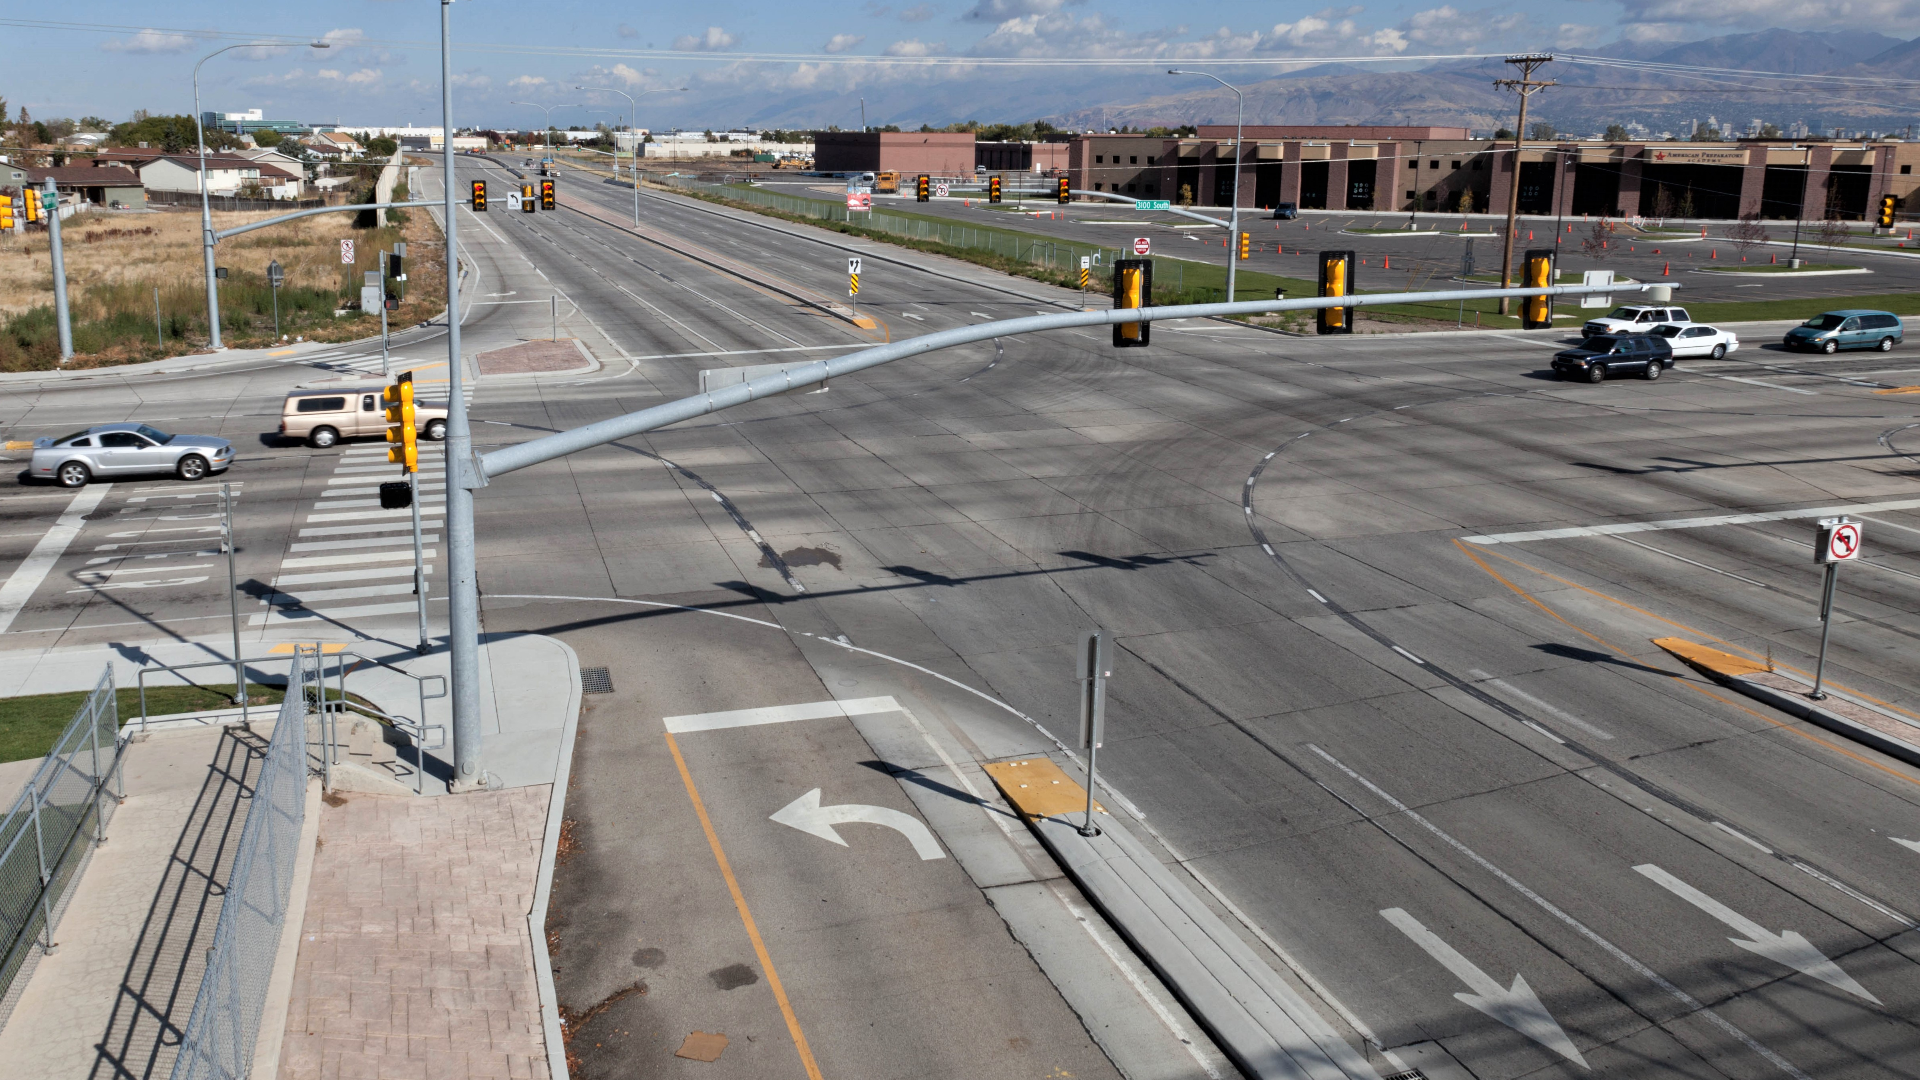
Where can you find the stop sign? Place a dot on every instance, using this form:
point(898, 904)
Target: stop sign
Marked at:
point(1142, 245)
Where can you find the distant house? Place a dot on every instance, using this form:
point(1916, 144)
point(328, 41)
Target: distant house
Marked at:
point(226, 173)
point(114, 186)
point(278, 159)
point(333, 144)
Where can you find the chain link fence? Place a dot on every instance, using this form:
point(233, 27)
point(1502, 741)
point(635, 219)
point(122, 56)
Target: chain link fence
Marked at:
point(219, 1038)
point(51, 830)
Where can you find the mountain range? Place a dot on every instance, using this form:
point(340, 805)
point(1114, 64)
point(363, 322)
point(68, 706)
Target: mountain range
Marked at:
point(1592, 92)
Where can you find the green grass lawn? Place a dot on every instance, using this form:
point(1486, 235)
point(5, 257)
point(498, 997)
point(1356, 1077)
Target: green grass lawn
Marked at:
point(29, 725)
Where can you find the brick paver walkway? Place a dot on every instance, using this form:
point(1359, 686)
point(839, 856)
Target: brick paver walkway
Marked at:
point(414, 959)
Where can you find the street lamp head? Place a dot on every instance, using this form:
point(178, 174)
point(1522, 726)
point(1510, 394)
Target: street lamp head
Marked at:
point(319, 45)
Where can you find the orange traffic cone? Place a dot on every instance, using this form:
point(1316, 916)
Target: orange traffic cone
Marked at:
point(1715, 255)
point(1387, 263)
point(1775, 260)
point(1665, 269)
point(1529, 234)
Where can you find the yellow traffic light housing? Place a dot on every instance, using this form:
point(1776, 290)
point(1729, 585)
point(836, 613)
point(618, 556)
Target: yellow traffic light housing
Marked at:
point(546, 194)
point(1536, 312)
point(993, 189)
point(401, 429)
point(6, 213)
point(1063, 192)
point(1246, 245)
point(1132, 288)
point(923, 188)
point(33, 205)
point(1887, 206)
point(479, 196)
point(527, 202)
point(1336, 279)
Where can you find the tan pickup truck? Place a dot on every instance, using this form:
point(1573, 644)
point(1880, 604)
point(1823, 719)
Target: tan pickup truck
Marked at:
point(324, 417)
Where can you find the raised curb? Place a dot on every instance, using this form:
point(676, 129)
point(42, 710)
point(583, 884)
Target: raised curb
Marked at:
point(1261, 1023)
point(543, 881)
point(1733, 671)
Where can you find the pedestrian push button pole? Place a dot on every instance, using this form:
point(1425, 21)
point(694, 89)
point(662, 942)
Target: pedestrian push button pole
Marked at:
point(1095, 665)
point(405, 435)
point(1836, 540)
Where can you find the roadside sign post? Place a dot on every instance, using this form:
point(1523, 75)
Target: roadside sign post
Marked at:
point(1095, 665)
point(386, 361)
point(853, 278)
point(1836, 540)
point(233, 599)
point(275, 278)
point(1143, 246)
point(1086, 275)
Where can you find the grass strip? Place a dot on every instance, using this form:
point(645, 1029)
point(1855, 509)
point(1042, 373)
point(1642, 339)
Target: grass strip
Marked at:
point(29, 725)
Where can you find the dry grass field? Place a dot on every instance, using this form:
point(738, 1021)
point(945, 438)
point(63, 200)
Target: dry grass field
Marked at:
point(117, 261)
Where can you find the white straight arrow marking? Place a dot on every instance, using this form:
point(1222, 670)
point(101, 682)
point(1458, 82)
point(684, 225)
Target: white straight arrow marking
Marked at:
point(806, 814)
point(1911, 845)
point(1786, 947)
point(1518, 1007)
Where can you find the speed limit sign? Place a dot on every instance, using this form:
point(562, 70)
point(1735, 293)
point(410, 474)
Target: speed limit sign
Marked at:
point(1838, 540)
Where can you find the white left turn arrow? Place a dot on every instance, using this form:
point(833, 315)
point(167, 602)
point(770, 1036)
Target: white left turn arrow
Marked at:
point(1786, 947)
point(1910, 845)
point(806, 814)
point(1517, 1007)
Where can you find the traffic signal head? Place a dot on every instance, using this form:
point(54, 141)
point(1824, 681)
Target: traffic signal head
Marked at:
point(396, 265)
point(1064, 193)
point(923, 188)
point(993, 189)
point(1536, 312)
point(546, 194)
point(527, 202)
point(33, 204)
point(401, 418)
point(479, 196)
point(6, 212)
point(1336, 279)
point(1132, 288)
point(1887, 205)
point(1246, 245)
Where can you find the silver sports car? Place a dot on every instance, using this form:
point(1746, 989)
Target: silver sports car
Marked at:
point(110, 450)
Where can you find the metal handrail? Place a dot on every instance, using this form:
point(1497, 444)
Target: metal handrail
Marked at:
point(416, 729)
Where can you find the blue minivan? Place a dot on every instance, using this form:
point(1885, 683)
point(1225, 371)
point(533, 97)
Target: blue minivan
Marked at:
point(1853, 328)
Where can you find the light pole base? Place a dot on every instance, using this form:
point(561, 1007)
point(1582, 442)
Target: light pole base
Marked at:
point(486, 781)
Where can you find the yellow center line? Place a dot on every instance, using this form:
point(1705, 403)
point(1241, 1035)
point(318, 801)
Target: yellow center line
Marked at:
point(1682, 679)
point(746, 916)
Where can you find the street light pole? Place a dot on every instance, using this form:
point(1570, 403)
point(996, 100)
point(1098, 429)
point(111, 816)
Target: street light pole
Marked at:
point(633, 111)
point(547, 111)
point(1527, 88)
point(206, 208)
point(1239, 126)
point(463, 594)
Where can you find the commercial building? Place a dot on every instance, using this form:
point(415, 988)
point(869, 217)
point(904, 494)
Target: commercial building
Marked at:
point(246, 123)
point(1044, 157)
point(1441, 170)
point(938, 153)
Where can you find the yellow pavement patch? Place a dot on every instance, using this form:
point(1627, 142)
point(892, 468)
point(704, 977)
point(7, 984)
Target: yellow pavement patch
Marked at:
point(865, 323)
point(1036, 788)
point(18, 444)
point(282, 352)
point(287, 648)
point(1712, 660)
point(1899, 390)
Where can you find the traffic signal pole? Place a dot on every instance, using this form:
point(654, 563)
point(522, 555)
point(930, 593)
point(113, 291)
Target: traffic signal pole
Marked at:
point(463, 615)
point(1527, 88)
point(59, 258)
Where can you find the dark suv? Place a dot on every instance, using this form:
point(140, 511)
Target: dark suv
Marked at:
point(1611, 354)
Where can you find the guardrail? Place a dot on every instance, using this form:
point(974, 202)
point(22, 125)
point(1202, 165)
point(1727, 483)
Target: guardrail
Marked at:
point(52, 828)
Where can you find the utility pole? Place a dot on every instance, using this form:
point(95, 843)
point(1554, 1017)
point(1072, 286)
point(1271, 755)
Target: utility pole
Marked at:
point(1527, 87)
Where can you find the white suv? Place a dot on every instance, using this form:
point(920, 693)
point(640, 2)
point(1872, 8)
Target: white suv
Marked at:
point(1626, 320)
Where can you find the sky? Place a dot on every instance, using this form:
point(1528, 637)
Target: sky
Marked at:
point(752, 62)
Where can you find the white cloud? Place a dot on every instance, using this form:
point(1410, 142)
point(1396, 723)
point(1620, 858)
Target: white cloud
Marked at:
point(1446, 27)
point(840, 43)
point(526, 82)
point(362, 77)
point(1886, 16)
point(1576, 36)
point(714, 40)
point(150, 41)
point(472, 82)
point(915, 47)
point(998, 11)
point(917, 13)
point(626, 31)
point(340, 39)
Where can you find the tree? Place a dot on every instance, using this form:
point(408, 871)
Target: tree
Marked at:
point(1466, 202)
point(1542, 130)
point(267, 138)
point(170, 134)
point(1594, 244)
point(1186, 194)
point(1747, 232)
point(1832, 234)
point(1769, 131)
point(1616, 133)
point(1703, 133)
point(382, 146)
point(1685, 209)
point(1663, 202)
point(1503, 133)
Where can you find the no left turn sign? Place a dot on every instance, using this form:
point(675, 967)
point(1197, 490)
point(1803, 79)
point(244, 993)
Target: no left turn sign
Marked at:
point(1142, 245)
point(346, 252)
point(1839, 541)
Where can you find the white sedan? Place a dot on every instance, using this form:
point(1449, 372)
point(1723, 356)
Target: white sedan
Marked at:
point(1695, 339)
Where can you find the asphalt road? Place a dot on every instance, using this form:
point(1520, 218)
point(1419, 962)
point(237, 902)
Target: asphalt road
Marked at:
point(1397, 259)
point(1274, 528)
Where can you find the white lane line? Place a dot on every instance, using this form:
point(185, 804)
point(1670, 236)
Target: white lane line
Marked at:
point(1690, 562)
point(375, 515)
point(1552, 710)
point(33, 569)
point(780, 714)
point(357, 530)
point(307, 615)
point(354, 593)
point(365, 573)
point(1740, 836)
point(1688, 1001)
point(1757, 382)
point(1691, 523)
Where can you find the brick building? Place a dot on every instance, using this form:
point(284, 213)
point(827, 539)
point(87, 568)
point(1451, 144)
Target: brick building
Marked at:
point(937, 153)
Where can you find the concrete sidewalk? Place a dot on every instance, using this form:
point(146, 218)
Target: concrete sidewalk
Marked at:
point(414, 956)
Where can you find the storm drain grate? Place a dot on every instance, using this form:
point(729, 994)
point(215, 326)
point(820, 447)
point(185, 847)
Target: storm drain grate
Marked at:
point(1410, 1074)
point(596, 680)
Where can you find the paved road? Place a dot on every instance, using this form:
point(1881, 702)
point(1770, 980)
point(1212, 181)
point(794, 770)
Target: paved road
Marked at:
point(1395, 260)
point(1311, 654)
